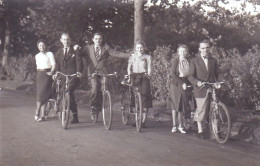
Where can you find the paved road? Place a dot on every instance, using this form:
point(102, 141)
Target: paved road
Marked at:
point(24, 142)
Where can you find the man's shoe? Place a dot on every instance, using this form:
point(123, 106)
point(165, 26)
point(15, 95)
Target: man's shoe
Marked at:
point(94, 117)
point(200, 135)
point(74, 120)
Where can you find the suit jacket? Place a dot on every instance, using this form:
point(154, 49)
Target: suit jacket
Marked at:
point(94, 65)
point(70, 64)
point(199, 72)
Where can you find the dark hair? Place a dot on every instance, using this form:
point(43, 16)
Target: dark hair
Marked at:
point(41, 41)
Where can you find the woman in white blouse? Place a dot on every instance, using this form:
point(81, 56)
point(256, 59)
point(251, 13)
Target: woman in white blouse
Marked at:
point(45, 64)
point(139, 69)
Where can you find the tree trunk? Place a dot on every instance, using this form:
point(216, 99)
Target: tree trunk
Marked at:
point(6, 44)
point(138, 27)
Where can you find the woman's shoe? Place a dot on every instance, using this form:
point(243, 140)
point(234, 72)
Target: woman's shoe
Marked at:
point(40, 119)
point(36, 117)
point(174, 129)
point(182, 130)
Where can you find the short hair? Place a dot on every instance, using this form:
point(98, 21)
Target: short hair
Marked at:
point(64, 34)
point(98, 34)
point(140, 42)
point(182, 46)
point(41, 41)
point(205, 41)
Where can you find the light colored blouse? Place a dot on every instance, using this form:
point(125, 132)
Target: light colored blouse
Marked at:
point(44, 60)
point(183, 67)
point(139, 64)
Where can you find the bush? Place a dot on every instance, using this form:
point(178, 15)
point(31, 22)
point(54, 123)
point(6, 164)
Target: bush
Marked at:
point(160, 72)
point(22, 68)
point(242, 72)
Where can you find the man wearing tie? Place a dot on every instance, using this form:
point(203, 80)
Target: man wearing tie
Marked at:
point(68, 61)
point(97, 56)
point(203, 68)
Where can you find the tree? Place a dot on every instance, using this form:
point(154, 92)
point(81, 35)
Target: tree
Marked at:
point(139, 7)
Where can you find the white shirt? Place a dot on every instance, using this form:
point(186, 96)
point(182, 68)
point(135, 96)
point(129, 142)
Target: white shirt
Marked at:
point(206, 61)
point(44, 60)
point(65, 49)
point(139, 64)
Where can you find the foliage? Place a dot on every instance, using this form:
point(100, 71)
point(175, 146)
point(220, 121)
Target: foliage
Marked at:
point(160, 72)
point(169, 24)
point(22, 68)
point(242, 73)
point(166, 24)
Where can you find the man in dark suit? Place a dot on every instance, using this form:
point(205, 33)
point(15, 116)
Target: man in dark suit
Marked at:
point(203, 68)
point(68, 61)
point(97, 56)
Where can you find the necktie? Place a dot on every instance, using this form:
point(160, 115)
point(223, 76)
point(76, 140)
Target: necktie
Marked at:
point(97, 53)
point(205, 58)
point(65, 52)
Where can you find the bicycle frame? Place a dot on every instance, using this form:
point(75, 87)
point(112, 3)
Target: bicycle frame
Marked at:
point(104, 76)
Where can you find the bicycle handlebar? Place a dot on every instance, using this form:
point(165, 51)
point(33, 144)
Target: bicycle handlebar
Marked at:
point(65, 75)
point(106, 75)
point(145, 74)
point(212, 84)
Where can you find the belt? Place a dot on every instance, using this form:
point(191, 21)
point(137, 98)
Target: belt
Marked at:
point(43, 69)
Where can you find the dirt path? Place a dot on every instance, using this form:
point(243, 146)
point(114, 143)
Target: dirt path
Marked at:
point(24, 142)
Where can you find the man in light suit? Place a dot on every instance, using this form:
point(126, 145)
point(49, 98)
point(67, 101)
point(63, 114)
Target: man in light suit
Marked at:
point(203, 68)
point(97, 56)
point(68, 61)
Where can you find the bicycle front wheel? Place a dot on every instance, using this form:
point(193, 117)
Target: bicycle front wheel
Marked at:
point(125, 106)
point(107, 110)
point(138, 111)
point(220, 122)
point(65, 112)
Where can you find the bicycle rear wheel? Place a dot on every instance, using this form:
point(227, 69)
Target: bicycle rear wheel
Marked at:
point(138, 111)
point(220, 122)
point(65, 111)
point(125, 106)
point(107, 110)
point(187, 121)
point(48, 108)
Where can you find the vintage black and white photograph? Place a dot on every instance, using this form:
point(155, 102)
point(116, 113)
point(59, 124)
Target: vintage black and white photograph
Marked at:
point(129, 82)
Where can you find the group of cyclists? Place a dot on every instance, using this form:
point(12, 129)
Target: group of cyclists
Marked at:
point(185, 72)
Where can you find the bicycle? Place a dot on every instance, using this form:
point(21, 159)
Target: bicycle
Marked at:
point(126, 104)
point(107, 111)
point(62, 100)
point(188, 122)
point(219, 118)
point(54, 102)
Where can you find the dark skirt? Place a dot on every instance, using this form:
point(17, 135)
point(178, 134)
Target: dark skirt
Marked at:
point(143, 83)
point(44, 86)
